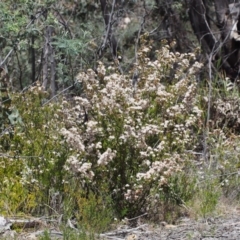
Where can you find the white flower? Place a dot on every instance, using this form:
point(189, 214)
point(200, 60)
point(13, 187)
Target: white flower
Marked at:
point(106, 157)
point(99, 145)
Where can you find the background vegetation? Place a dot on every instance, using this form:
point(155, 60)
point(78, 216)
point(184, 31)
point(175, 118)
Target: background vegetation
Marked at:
point(109, 110)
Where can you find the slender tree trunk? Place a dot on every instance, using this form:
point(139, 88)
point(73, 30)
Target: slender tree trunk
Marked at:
point(53, 66)
point(45, 58)
point(201, 26)
point(33, 59)
point(109, 36)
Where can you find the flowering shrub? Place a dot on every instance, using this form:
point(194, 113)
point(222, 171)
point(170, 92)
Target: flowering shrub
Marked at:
point(127, 139)
point(32, 157)
point(123, 145)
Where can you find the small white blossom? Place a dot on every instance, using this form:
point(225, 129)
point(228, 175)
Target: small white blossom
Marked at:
point(106, 157)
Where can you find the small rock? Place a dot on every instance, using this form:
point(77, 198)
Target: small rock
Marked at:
point(132, 237)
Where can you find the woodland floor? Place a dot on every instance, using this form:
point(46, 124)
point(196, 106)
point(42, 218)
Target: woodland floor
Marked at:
point(225, 226)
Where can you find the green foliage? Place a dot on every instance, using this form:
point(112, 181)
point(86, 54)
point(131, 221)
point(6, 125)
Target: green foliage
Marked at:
point(23, 30)
point(32, 156)
point(218, 176)
point(94, 213)
point(45, 236)
point(210, 198)
point(70, 234)
point(15, 118)
point(171, 201)
point(207, 197)
point(71, 47)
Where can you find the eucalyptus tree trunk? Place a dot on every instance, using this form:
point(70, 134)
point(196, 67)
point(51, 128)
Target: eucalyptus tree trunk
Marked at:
point(219, 35)
point(52, 67)
point(49, 63)
point(33, 57)
point(45, 58)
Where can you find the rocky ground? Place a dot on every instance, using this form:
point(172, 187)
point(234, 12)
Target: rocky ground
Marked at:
point(227, 227)
point(220, 228)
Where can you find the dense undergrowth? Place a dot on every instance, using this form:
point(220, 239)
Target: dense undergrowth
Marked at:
point(161, 145)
